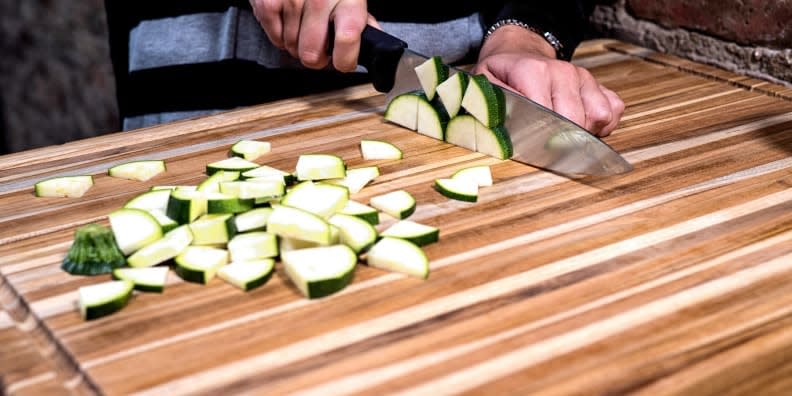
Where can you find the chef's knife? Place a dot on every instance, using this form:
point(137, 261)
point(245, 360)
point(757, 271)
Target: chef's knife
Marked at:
point(541, 137)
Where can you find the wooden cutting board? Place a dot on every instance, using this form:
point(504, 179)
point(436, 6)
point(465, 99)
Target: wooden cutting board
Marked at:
point(671, 279)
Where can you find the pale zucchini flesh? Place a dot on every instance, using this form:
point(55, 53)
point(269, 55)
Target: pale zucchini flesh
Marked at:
point(432, 119)
point(399, 204)
point(138, 170)
point(494, 141)
point(403, 110)
point(236, 164)
point(461, 131)
point(186, 206)
point(247, 275)
point(213, 229)
point(64, 187)
point(134, 229)
point(296, 223)
point(430, 74)
point(481, 175)
point(379, 150)
point(162, 250)
point(253, 246)
point(458, 189)
point(357, 178)
point(354, 232)
point(150, 200)
point(398, 255)
point(149, 279)
point(362, 211)
point(485, 101)
point(252, 220)
point(416, 233)
point(250, 149)
point(321, 199)
point(320, 167)
point(199, 264)
point(451, 91)
point(322, 271)
point(103, 299)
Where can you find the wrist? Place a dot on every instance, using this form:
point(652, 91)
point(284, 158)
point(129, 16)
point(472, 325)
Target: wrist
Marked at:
point(513, 38)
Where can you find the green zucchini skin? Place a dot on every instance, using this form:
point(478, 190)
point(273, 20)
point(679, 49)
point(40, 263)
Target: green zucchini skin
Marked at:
point(258, 282)
point(93, 252)
point(190, 275)
point(329, 286)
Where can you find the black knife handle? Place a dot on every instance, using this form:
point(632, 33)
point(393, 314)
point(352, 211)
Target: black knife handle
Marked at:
point(379, 54)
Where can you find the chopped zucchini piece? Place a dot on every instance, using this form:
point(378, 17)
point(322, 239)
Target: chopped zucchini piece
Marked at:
point(224, 203)
point(234, 164)
point(162, 250)
point(213, 229)
point(379, 150)
point(399, 204)
point(253, 246)
point(252, 220)
point(212, 183)
point(365, 212)
point(403, 110)
point(250, 149)
point(494, 142)
point(150, 279)
point(199, 264)
point(459, 189)
point(138, 170)
point(416, 233)
point(430, 74)
point(354, 232)
point(480, 175)
point(432, 119)
point(65, 187)
point(134, 229)
point(247, 275)
point(461, 131)
point(166, 222)
point(103, 299)
point(267, 172)
point(485, 101)
point(258, 189)
point(398, 255)
point(318, 198)
point(322, 271)
point(186, 206)
point(150, 200)
point(296, 223)
point(93, 252)
point(320, 167)
point(357, 178)
point(451, 91)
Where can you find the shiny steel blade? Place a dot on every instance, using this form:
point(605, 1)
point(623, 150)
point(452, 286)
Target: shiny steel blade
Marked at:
point(541, 137)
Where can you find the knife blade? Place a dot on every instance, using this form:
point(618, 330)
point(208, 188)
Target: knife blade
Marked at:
point(541, 137)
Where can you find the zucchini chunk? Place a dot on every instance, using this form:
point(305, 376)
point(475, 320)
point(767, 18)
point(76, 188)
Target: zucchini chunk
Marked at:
point(212, 183)
point(451, 91)
point(430, 74)
point(93, 252)
point(162, 250)
point(320, 167)
point(213, 229)
point(165, 222)
point(321, 271)
point(252, 220)
point(137, 170)
point(365, 212)
point(185, 206)
point(432, 118)
point(458, 189)
point(267, 172)
point(356, 178)
point(461, 131)
point(318, 198)
point(494, 142)
point(399, 204)
point(250, 149)
point(485, 101)
point(481, 175)
point(199, 264)
point(103, 299)
point(247, 275)
point(225, 203)
point(403, 110)
point(398, 255)
point(64, 187)
point(149, 279)
point(258, 189)
point(134, 229)
point(150, 200)
point(354, 232)
point(379, 150)
point(416, 233)
point(253, 246)
point(234, 164)
point(288, 222)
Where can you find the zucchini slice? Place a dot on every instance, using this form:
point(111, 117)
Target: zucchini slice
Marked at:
point(252, 220)
point(354, 232)
point(461, 131)
point(481, 175)
point(430, 74)
point(379, 150)
point(162, 250)
point(64, 187)
point(289, 244)
point(318, 198)
point(398, 255)
point(247, 275)
point(267, 172)
point(485, 101)
point(289, 222)
point(134, 229)
point(321, 271)
point(224, 203)
point(212, 183)
point(150, 200)
point(403, 110)
point(494, 142)
point(138, 170)
point(213, 229)
point(250, 149)
point(356, 178)
point(258, 189)
point(199, 264)
point(416, 233)
point(93, 252)
point(459, 189)
point(320, 167)
point(103, 299)
point(234, 164)
point(432, 119)
point(165, 222)
point(253, 246)
point(365, 212)
point(185, 206)
point(451, 91)
point(399, 204)
point(151, 279)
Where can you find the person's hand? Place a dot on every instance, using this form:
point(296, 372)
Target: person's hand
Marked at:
point(301, 28)
point(523, 61)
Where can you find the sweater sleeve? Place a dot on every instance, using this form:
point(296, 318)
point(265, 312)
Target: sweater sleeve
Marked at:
point(565, 19)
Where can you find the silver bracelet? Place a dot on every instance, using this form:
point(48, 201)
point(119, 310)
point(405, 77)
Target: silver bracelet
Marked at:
point(549, 37)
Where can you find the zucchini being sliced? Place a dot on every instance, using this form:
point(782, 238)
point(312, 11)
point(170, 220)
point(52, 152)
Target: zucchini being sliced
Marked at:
point(296, 223)
point(322, 271)
point(150, 200)
point(416, 233)
point(494, 142)
point(162, 250)
point(432, 119)
point(247, 275)
point(399, 204)
point(93, 252)
point(250, 149)
point(134, 229)
point(480, 175)
point(64, 187)
point(225, 203)
point(234, 164)
point(320, 167)
point(357, 178)
point(213, 229)
point(186, 206)
point(430, 74)
point(138, 170)
point(461, 131)
point(459, 189)
point(485, 101)
point(365, 212)
point(199, 264)
point(253, 246)
point(252, 220)
point(403, 110)
point(318, 198)
point(451, 91)
point(103, 299)
point(399, 255)
point(267, 172)
point(354, 232)
point(151, 279)
point(379, 150)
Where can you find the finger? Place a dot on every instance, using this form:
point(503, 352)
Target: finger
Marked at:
point(565, 93)
point(595, 104)
point(349, 17)
point(371, 21)
point(268, 13)
point(292, 16)
point(617, 110)
point(312, 42)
